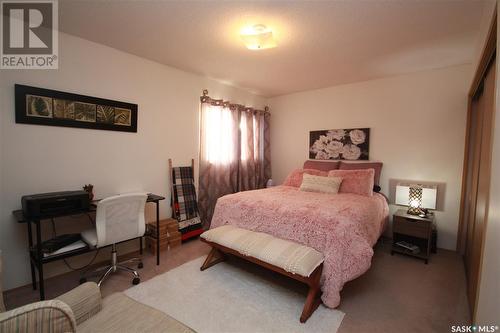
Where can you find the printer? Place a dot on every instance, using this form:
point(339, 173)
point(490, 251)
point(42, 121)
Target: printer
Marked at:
point(55, 203)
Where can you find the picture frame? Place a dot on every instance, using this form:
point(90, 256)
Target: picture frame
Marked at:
point(40, 106)
point(340, 144)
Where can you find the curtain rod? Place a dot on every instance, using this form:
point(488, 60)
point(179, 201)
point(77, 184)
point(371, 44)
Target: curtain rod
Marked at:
point(205, 98)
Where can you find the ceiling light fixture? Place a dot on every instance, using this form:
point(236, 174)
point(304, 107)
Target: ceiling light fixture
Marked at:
point(258, 37)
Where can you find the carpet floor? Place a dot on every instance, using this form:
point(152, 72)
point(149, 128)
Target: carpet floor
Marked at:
point(227, 298)
point(397, 294)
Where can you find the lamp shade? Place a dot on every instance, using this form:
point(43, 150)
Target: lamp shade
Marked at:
point(258, 37)
point(428, 196)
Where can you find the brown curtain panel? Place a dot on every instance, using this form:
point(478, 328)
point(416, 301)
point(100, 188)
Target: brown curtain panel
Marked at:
point(234, 152)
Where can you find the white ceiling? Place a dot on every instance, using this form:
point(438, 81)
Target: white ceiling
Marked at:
point(320, 44)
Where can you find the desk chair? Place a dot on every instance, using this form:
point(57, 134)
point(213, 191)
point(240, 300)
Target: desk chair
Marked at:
point(118, 218)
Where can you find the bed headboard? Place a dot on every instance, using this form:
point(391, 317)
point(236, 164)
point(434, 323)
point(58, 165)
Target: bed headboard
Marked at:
point(343, 165)
point(321, 165)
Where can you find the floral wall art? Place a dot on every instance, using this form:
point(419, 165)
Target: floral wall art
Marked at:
point(339, 144)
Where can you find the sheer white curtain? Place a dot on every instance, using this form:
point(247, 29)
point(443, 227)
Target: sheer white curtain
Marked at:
point(216, 134)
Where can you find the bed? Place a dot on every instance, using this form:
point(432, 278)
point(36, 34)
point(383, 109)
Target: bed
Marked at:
point(343, 227)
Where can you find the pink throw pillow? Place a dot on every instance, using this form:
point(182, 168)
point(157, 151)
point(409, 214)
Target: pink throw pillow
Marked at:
point(377, 166)
point(355, 181)
point(295, 177)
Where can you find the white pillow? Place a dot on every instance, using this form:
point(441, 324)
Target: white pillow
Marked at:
point(311, 183)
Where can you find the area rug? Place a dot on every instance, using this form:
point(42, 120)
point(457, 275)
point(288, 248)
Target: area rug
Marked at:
point(227, 298)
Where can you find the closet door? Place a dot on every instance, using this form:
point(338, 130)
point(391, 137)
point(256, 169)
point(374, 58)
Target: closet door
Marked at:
point(479, 182)
point(474, 149)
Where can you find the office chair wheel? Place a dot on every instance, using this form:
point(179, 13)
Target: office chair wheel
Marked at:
point(136, 280)
point(140, 265)
point(83, 280)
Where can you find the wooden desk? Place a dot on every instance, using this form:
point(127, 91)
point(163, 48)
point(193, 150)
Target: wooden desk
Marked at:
point(37, 259)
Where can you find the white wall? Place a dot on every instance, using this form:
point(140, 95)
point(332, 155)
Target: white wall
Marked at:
point(488, 307)
point(417, 126)
point(38, 159)
point(484, 28)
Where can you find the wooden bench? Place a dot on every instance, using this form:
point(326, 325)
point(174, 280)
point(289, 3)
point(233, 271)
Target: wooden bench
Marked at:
point(296, 261)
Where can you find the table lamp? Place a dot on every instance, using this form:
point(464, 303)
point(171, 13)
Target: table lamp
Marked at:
point(417, 197)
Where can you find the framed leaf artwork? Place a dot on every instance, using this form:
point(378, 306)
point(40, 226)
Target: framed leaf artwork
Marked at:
point(56, 108)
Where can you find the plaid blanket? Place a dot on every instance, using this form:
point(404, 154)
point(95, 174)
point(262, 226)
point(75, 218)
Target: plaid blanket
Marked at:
point(184, 196)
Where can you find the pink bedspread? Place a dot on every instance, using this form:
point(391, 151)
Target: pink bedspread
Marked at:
point(344, 227)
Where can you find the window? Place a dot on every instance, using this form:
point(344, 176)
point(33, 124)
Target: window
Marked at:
point(218, 134)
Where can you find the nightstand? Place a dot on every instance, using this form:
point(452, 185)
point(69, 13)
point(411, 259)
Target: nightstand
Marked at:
point(415, 230)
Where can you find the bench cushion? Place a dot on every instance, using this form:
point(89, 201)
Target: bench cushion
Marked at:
point(292, 257)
